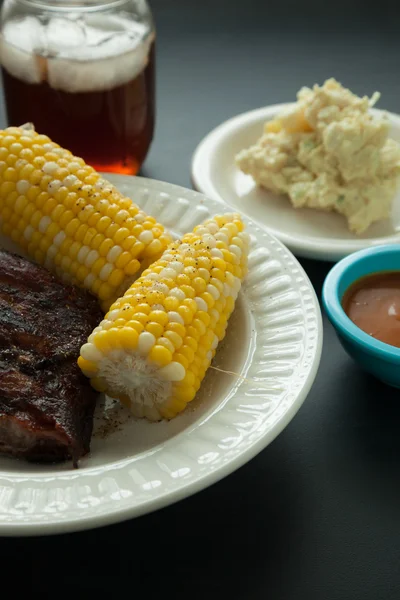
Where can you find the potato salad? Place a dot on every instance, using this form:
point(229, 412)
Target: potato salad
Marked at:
point(328, 152)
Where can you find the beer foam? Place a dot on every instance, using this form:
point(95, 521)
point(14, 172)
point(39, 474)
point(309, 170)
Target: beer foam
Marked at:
point(97, 54)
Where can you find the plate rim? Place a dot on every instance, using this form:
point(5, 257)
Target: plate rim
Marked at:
point(210, 476)
point(319, 249)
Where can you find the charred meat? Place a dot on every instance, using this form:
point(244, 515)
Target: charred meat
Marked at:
point(46, 404)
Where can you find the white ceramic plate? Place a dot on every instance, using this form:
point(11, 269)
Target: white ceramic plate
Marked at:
point(274, 341)
point(307, 232)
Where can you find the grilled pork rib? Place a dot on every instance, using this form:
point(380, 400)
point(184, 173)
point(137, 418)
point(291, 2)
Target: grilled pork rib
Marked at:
point(46, 404)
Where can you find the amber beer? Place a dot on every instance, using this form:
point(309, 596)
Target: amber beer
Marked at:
point(111, 127)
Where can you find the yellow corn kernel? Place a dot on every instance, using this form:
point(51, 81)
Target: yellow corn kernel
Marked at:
point(128, 338)
point(103, 341)
point(123, 260)
point(177, 328)
point(119, 322)
point(97, 266)
point(171, 303)
point(164, 341)
point(155, 328)
point(160, 355)
point(80, 234)
point(185, 394)
point(82, 273)
point(87, 366)
point(181, 359)
point(199, 285)
point(137, 325)
point(116, 278)
point(159, 316)
point(105, 247)
point(142, 318)
point(186, 313)
point(132, 267)
point(127, 312)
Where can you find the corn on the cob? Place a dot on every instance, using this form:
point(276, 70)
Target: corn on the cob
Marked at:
point(154, 346)
point(69, 219)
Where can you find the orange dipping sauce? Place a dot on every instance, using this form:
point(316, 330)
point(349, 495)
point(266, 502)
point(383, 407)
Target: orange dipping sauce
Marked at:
point(373, 304)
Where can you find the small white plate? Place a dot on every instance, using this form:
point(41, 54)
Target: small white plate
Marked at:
point(307, 232)
point(274, 341)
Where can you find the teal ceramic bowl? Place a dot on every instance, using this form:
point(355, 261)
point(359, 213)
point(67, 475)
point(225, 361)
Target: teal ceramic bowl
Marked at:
point(378, 358)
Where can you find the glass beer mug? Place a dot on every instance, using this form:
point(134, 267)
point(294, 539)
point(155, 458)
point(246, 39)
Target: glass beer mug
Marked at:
point(82, 71)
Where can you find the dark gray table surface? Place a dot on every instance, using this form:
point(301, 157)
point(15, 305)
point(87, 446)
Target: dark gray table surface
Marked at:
point(316, 515)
